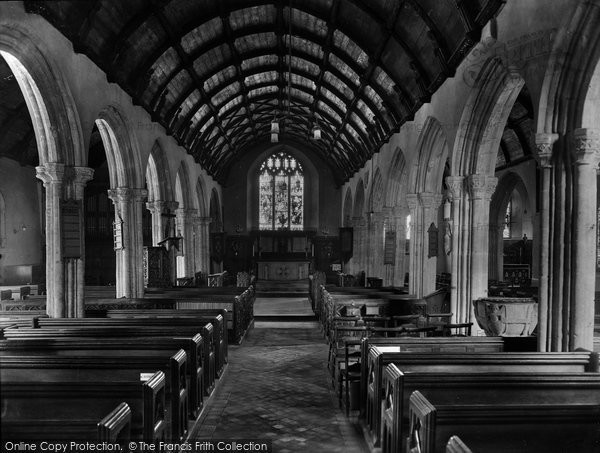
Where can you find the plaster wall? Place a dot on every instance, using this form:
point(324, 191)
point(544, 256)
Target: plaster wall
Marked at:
point(22, 241)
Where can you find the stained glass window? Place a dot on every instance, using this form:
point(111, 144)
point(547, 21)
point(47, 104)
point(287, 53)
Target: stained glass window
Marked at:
point(281, 193)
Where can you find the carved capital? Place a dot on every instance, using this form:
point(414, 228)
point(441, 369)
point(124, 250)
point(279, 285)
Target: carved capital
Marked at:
point(412, 199)
point(587, 146)
point(544, 143)
point(81, 175)
point(481, 186)
point(120, 195)
point(187, 213)
point(358, 222)
point(51, 173)
point(430, 200)
point(455, 187)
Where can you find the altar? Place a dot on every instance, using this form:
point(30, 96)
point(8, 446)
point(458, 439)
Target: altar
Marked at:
point(283, 269)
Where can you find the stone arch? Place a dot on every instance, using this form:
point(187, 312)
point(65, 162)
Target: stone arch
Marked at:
point(158, 176)
point(215, 211)
point(483, 119)
point(201, 197)
point(122, 151)
point(51, 106)
point(376, 199)
point(432, 151)
point(568, 147)
point(397, 180)
point(359, 199)
point(182, 188)
point(347, 209)
point(509, 183)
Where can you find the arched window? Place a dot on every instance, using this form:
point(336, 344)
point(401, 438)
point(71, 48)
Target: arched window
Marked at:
point(281, 196)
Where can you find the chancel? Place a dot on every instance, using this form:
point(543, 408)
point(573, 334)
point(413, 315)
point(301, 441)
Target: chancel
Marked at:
point(319, 225)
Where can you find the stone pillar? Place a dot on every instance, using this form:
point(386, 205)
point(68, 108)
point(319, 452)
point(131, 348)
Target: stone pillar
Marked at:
point(202, 234)
point(359, 226)
point(374, 245)
point(581, 326)
point(422, 268)
point(412, 199)
point(460, 232)
point(129, 259)
point(430, 203)
point(186, 227)
point(157, 208)
point(544, 144)
point(400, 213)
point(481, 189)
point(75, 272)
point(64, 276)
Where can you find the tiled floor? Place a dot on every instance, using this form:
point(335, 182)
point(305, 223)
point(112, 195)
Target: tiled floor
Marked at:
point(277, 387)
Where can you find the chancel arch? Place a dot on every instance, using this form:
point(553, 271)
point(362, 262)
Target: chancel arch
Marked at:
point(348, 206)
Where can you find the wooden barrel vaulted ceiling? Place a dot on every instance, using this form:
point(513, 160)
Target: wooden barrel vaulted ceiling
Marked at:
point(214, 73)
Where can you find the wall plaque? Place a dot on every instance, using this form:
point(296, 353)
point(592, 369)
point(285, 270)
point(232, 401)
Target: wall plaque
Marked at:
point(389, 253)
point(72, 227)
point(433, 240)
point(118, 234)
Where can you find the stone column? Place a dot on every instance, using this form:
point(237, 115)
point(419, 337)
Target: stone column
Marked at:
point(202, 232)
point(412, 199)
point(430, 203)
point(64, 276)
point(359, 226)
point(544, 144)
point(186, 227)
point(400, 213)
point(374, 247)
point(129, 259)
point(157, 208)
point(481, 189)
point(422, 269)
point(460, 230)
point(581, 325)
point(75, 273)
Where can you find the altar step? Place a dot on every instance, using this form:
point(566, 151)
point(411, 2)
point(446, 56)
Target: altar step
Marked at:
point(284, 318)
point(281, 288)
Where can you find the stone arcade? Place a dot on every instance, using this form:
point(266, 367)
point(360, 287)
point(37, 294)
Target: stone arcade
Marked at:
point(447, 151)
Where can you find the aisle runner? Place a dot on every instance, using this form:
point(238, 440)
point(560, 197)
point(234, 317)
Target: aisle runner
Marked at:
point(277, 387)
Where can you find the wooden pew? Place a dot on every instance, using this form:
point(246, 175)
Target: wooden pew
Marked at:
point(456, 445)
point(56, 411)
point(544, 426)
point(193, 346)
point(200, 323)
point(199, 315)
point(433, 344)
point(111, 368)
point(509, 362)
point(76, 331)
point(116, 426)
point(477, 387)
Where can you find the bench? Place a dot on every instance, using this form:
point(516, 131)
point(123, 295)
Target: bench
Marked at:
point(75, 331)
point(50, 411)
point(195, 320)
point(193, 346)
point(476, 387)
point(547, 425)
point(509, 362)
point(108, 368)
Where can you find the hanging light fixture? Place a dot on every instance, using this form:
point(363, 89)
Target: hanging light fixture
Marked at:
point(275, 126)
point(316, 132)
point(274, 137)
